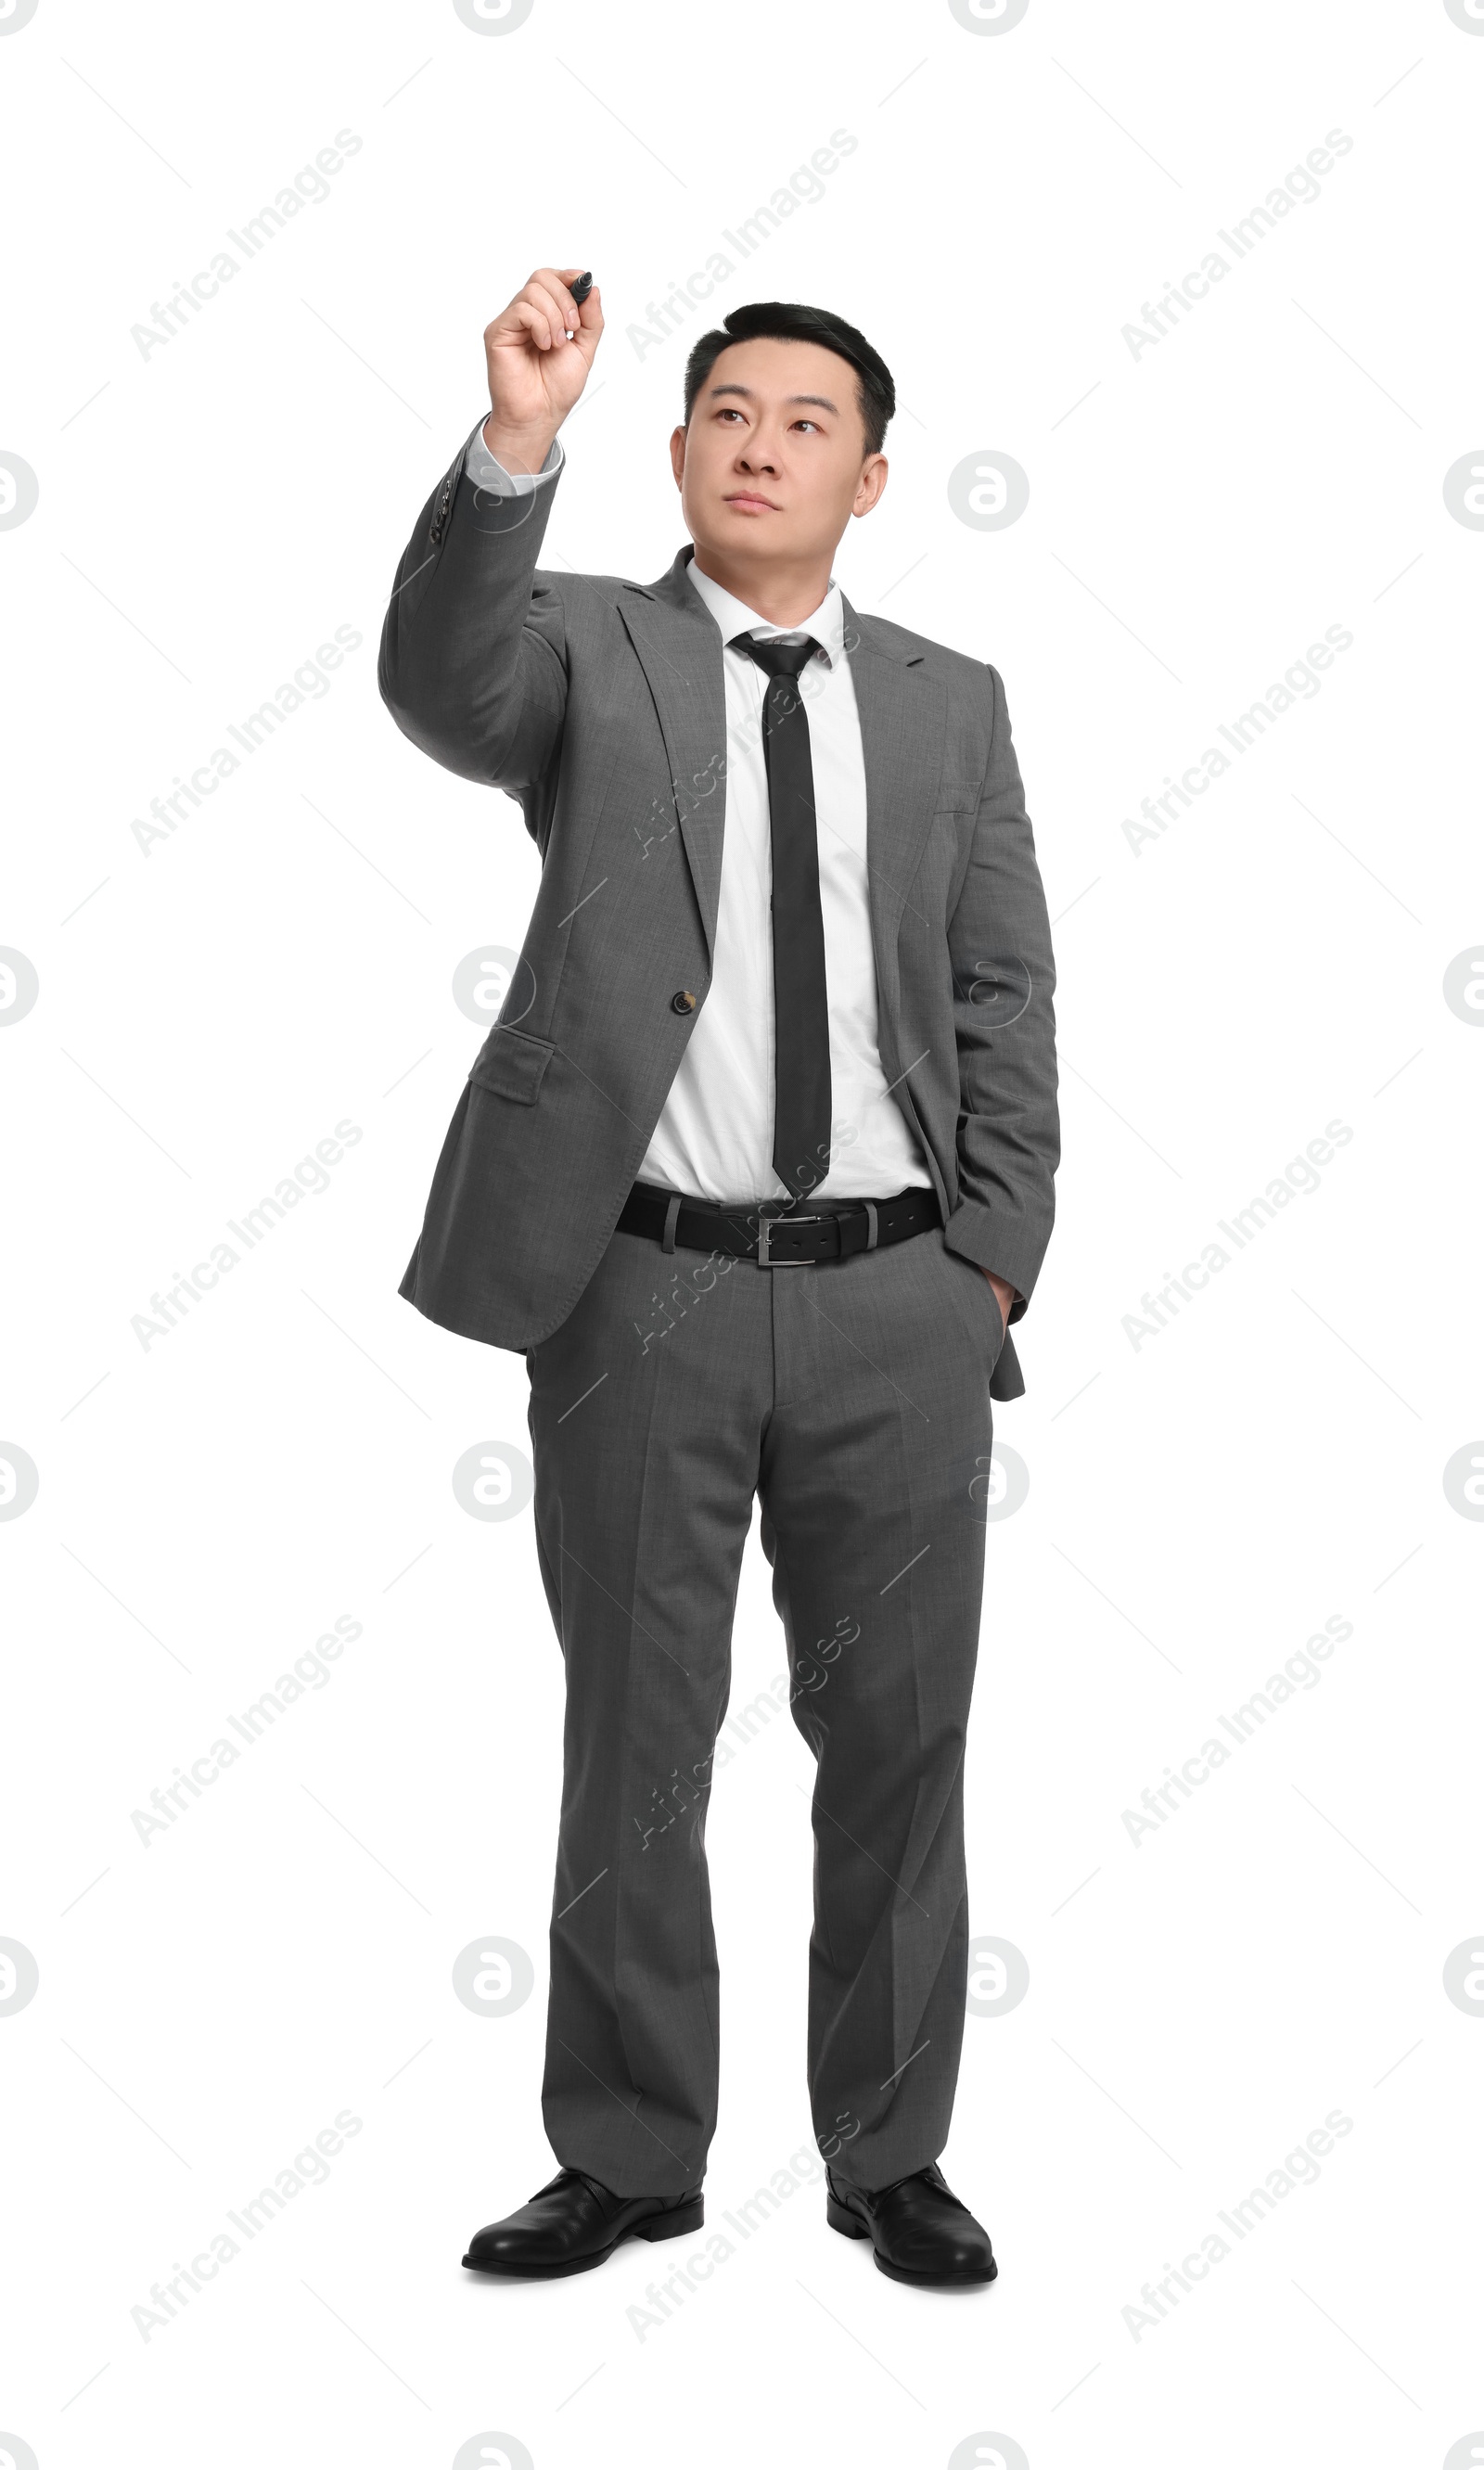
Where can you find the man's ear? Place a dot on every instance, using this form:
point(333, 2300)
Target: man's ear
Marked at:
point(874, 473)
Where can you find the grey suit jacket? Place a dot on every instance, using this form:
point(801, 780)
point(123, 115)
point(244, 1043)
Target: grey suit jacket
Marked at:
point(599, 704)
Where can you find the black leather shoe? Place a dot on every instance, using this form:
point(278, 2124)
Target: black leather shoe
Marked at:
point(919, 2229)
point(573, 2223)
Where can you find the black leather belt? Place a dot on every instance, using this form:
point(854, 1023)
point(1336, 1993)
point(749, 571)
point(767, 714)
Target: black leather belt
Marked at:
point(761, 1231)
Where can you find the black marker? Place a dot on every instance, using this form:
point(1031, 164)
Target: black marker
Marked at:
point(580, 291)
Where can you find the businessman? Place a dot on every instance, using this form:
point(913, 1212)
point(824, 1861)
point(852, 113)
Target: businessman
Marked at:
point(755, 1167)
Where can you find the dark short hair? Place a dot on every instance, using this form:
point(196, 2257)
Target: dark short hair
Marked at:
point(876, 395)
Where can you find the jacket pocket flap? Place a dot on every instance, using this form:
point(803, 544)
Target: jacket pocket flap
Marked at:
point(511, 1065)
point(956, 796)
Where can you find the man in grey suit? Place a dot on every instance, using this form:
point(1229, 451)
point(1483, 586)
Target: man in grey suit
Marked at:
point(756, 1168)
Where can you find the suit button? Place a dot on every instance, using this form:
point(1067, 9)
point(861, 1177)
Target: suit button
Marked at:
point(683, 1001)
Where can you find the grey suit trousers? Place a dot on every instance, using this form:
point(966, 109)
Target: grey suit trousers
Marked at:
point(853, 1398)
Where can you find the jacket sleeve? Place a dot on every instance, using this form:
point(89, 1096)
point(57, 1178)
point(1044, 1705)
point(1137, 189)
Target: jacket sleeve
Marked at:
point(472, 665)
point(1004, 979)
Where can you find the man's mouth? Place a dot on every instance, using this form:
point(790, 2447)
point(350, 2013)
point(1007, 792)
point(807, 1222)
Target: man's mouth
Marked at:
point(753, 501)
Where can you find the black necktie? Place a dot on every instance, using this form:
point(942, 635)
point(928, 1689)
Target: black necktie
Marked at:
point(801, 1004)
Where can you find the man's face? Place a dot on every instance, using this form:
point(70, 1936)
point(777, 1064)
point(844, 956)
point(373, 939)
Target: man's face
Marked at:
point(773, 463)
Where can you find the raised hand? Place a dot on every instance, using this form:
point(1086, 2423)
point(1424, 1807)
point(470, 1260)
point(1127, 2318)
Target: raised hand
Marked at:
point(536, 373)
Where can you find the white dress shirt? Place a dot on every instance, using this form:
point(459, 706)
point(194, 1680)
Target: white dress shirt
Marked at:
point(714, 1136)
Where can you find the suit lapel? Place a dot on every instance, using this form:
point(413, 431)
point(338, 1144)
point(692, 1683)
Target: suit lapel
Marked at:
point(679, 647)
point(902, 711)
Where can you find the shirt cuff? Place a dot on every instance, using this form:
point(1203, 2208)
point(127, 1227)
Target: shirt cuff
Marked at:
point(486, 473)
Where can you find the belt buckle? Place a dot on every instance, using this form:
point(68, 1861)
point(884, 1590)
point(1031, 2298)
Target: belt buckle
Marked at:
point(781, 1217)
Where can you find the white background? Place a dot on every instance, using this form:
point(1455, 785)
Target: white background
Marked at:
point(1198, 1503)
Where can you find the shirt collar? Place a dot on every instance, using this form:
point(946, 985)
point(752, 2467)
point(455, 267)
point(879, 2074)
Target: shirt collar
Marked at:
point(734, 618)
